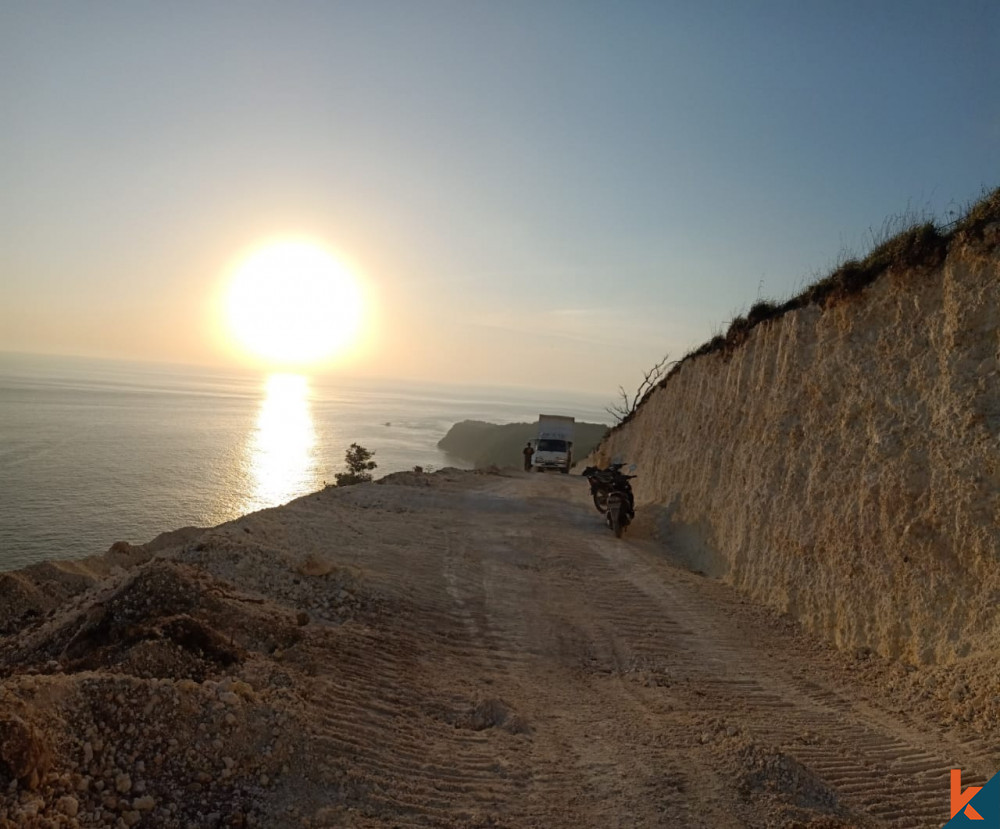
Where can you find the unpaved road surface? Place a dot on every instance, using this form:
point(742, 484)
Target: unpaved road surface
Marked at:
point(481, 651)
point(546, 674)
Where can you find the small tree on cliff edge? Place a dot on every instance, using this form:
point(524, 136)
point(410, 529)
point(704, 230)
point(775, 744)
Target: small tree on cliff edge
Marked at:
point(359, 466)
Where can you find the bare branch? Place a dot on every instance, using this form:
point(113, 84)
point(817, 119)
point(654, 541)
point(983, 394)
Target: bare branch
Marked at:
point(619, 411)
point(626, 406)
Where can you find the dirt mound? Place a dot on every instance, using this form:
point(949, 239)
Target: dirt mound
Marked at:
point(165, 753)
point(767, 770)
point(493, 713)
point(34, 592)
point(122, 708)
point(28, 595)
point(413, 478)
point(254, 562)
point(788, 792)
point(166, 620)
point(20, 602)
point(167, 691)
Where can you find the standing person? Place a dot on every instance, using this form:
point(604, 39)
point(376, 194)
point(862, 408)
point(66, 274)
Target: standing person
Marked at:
point(528, 452)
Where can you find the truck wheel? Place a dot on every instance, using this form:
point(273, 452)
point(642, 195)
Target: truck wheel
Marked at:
point(565, 470)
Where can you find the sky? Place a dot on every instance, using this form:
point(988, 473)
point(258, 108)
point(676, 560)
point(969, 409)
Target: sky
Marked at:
point(544, 193)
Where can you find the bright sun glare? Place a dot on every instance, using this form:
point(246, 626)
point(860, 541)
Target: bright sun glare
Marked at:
point(293, 302)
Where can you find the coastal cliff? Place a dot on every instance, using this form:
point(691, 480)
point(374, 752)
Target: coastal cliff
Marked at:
point(841, 461)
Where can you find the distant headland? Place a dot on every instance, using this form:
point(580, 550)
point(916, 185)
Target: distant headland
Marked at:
point(490, 444)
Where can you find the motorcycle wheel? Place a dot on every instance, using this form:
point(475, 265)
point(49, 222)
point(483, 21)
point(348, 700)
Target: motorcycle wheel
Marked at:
point(615, 514)
point(601, 501)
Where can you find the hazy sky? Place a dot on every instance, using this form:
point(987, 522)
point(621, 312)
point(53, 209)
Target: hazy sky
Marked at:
point(536, 193)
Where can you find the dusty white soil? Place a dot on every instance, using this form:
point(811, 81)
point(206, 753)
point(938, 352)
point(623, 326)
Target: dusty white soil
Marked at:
point(461, 650)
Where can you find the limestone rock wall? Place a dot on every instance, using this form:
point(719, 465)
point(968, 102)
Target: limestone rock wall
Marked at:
point(843, 464)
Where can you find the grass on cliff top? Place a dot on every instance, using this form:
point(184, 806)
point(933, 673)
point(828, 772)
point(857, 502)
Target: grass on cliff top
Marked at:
point(978, 216)
point(918, 244)
point(906, 242)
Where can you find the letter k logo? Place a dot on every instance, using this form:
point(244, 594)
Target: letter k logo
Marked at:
point(960, 798)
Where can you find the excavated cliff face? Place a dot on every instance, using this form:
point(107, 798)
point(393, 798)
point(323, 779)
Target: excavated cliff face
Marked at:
point(843, 464)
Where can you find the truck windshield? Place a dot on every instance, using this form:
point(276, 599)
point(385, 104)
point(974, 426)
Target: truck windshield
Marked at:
point(551, 445)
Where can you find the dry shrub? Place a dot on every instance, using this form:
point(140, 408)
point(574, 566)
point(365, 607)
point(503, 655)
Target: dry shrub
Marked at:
point(978, 217)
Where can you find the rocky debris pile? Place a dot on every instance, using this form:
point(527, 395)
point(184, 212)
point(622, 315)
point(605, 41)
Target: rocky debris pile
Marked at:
point(164, 690)
point(304, 582)
point(109, 751)
point(27, 596)
point(960, 695)
point(791, 793)
point(163, 619)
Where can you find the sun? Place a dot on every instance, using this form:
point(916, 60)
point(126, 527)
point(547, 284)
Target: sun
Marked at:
point(293, 303)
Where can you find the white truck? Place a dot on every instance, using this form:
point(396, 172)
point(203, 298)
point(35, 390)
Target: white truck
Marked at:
point(554, 445)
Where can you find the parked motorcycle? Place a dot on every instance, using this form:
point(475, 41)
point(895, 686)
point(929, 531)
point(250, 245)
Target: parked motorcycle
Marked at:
point(621, 504)
point(601, 483)
point(612, 495)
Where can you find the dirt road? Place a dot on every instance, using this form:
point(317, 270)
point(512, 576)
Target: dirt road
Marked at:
point(481, 651)
point(539, 672)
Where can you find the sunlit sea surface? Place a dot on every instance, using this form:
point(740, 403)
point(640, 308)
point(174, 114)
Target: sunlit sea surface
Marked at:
point(92, 452)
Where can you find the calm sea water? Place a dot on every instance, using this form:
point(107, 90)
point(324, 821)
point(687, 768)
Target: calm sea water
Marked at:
point(92, 452)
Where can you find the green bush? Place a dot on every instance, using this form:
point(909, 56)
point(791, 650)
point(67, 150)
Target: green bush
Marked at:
point(359, 466)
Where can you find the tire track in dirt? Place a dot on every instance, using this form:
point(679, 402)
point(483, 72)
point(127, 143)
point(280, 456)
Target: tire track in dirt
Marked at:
point(891, 772)
point(537, 672)
point(880, 768)
point(399, 748)
point(579, 769)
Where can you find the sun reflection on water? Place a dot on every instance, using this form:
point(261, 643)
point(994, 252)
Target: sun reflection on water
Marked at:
point(281, 448)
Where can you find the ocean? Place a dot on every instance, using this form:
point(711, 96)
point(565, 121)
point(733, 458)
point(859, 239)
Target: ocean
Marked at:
point(95, 451)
